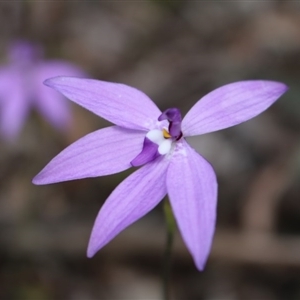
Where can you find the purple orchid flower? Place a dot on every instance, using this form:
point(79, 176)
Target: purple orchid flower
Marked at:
point(21, 87)
point(143, 135)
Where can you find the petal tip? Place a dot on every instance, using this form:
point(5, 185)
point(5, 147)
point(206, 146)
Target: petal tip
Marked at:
point(200, 266)
point(91, 251)
point(284, 87)
point(200, 262)
point(36, 180)
point(281, 87)
point(90, 254)
point(53, 81)
point(41, 179)
point(50, 81)
point(276, 88)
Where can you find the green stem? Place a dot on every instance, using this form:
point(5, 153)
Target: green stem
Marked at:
point(167, 263)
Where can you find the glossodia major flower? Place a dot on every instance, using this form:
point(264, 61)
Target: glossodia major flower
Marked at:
point(21, 88)
point(145, 136)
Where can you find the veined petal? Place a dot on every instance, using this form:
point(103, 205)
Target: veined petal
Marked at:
point(51, 103)
point(132, 199)
point(103, 152)
point(230, 105)
point(118, 103)
point(192, 188)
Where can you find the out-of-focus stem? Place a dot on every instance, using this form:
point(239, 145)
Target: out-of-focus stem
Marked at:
point(167, 260)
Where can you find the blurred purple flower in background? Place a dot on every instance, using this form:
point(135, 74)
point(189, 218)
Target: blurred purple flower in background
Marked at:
point(145, 135)
point(21, 88)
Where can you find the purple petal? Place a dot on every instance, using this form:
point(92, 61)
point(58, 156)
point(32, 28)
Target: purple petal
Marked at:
point(118, 103)
point(50, 103)
point(192, 188)
point(230, 105)
point(149, 153)
point(103, 152)
point(7, 75)
point(14, 103)
point(23, 52)
point(132, 199)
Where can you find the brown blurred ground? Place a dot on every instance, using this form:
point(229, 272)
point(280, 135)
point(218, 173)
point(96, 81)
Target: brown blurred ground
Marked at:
point(175, 52)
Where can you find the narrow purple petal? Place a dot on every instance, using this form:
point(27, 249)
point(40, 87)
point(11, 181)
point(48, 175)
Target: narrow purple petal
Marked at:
point(132, 199)
point(14, 103)
point(24, 52)
point(103, 152)
point(230, 105)
point(192, 188)
point(7, 75)
point(51, 104)
point(118, 103)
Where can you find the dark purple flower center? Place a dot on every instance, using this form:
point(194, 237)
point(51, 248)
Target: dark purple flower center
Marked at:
point(159, 141)
point(173, 115)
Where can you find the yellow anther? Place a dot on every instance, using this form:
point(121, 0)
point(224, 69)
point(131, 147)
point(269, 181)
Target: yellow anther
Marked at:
point(166, 134)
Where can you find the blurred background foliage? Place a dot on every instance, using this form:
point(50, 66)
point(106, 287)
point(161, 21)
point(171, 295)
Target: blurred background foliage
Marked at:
point(176, 52)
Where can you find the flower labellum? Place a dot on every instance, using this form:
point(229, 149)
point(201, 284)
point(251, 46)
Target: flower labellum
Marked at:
point(145, 136)
point(21, 88)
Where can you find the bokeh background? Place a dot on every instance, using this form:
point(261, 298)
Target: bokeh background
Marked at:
point(176, 52)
